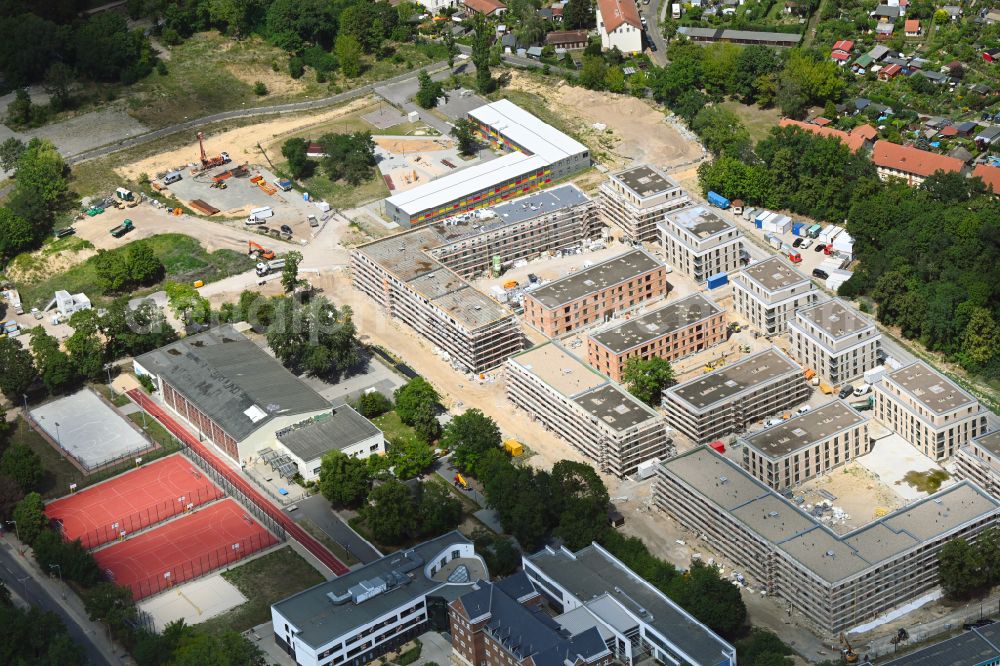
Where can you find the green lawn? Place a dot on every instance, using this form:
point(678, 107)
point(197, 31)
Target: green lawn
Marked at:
point(395, 429)
point(263, 581)
point(342, 196)
point(59, 473)
point(757, 120)
point(183, 257)
point(339, 551)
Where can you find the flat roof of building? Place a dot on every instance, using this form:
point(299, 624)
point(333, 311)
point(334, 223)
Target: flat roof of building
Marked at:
point(774, 274)
point(593, 392)
point(930, 388)
point(698, 220)
point(319, 619)
point(657, 323)
point(231, 380)
point(645, 181)
point(990, 441)
point(729, 381)
point(338, 429)
point(836, 318)
point(527, 131)
point(597, 278)
point(817, 425)
point(981, 645)
point(814, 546)
point(594, 574)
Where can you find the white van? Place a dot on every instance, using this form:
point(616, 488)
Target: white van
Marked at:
point(862, 390)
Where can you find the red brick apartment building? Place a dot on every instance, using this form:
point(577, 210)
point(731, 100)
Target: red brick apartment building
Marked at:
point(596, 294)
point(676, 330)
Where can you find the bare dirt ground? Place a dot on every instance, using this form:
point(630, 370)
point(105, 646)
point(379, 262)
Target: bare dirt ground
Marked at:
point(858, 493)
point(402, 146)
point(41, 264)
point(240, 143)
point(636, 131)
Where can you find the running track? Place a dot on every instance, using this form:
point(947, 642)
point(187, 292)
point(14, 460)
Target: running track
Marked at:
point(291, 528)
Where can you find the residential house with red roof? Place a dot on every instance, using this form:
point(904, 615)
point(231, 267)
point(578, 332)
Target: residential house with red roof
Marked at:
point(910, 164)
point(990, 176)
point(486, 7)
point(619, 25)
point(858, 138)
point(889, 72)
point(912, 28)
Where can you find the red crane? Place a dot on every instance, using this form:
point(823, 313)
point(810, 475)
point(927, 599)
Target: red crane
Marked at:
point(209, 162)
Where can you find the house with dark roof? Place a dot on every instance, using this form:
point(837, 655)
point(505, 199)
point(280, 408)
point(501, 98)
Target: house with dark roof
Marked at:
point(885, 13)
point(567, 39)
point(305, 442)
point(231, 391)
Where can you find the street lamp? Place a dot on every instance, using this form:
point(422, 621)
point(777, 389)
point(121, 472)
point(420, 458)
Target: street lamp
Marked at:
point(58, 440)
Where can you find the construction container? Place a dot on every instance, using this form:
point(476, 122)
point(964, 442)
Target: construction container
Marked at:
point(647, 468)
point(826, 388)
point(875, 374)
point(844, 243)
point(809, 373)
point(814, 231)
point(797, 228)
point(718, 446)
point(781, 224)
point(199, 283)
point(749, 213)
point(717, 280)
point(510, 284)
point(513, 447)
point(718, 200)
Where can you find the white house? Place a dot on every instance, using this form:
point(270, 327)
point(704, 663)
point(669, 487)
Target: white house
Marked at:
point(306, 442)
point(68, 303)
point(437, 5)
point(619, 25)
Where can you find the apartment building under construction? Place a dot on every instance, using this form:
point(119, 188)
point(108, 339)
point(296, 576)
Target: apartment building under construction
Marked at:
point(979, 461)
point(594, 414)
point(636, 199)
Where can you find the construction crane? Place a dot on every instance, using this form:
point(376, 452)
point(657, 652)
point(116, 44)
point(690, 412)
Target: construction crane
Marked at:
point(258, 251)
point(209, 162)
point(847, 655)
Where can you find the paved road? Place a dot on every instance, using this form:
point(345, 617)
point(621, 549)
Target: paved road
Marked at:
point(652, 13)
point(17, 575)
point(317, 509)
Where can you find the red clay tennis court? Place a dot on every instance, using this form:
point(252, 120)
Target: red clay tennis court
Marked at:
point(183, 549)
point(132, 501)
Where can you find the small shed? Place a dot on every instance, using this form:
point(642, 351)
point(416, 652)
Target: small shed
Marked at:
point(514, 448)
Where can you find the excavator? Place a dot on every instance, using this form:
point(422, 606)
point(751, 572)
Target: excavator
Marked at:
point(210, 162)
point(259, 252)
point(847, 655)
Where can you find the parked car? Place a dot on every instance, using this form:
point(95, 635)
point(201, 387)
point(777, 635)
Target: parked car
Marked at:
point(820, 247)
point(881, 356)
point(286, 229)
point(803, 409)
point(845, 391)
point(820, 273)
point(797, 242)
point(773, 422)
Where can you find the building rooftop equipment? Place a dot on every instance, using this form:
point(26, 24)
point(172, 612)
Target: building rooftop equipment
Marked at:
point(835, 318)
point(333, 608)
point(699, 221)
point(340, 428)
point(729, 381)
point(931, 389)
point(635, 332)
point(818, 424)
point(831, 557)
point(596, 278)
point(644, 181)
point(774, 274)
point(232, 380)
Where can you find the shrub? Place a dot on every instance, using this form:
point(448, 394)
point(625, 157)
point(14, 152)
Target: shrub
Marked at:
point(259, 89)
point(296, 68)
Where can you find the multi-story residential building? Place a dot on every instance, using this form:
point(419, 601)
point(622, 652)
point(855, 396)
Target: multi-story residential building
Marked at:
point(356, 618)
point(539, 154)
point(680, 328)
point(399, 274)
point(500, 624)
point(584, 407)
point(836, 581)
point(726, 400)
point(636, 199)
point(619, 25)
point(699, 243)
point(835, 340)
point(769, 292)
point(979, 461)
point(909, 164)
point(928, 410)
point(592, 587)
point(806, 446)
point(596, 294)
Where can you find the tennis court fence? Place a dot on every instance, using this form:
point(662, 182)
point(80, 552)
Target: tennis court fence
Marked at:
point(201, 565)
point(151, 515)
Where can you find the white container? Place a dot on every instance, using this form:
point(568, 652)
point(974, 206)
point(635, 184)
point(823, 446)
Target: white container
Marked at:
point(875, 374)
point(647, 468)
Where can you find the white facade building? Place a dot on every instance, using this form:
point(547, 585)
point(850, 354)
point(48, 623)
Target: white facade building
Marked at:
point(835, 340)
point(619, 25)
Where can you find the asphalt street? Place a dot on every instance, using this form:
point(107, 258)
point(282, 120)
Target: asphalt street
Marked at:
point(16, 575)
point(652, 13)
point(317, 509)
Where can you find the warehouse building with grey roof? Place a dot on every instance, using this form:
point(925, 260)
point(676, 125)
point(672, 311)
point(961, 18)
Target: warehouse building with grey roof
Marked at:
point(836, 581)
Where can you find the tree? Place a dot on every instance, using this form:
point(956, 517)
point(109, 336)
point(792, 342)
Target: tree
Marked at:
point(314, 337)
point(578, 14)
point(343, 479)
point(425, 423)
point(411, 396)
point(16, 235)
point(369, 22)
point(186, 303)
point(409, 458)
point(18, 369)
point(429, 90)
point(439, 510)
point(289, 24)
point(41, 173)
point(468, 436)
point(10, 151)
point(941, 17)
point(646, 378)
point(448, 38)
point(29, 514)
point(74, 561)
point(294, 150)
point(594, 72)
point(374, 404)
point(465, 133)
point(350, 157)
point(10, 495)
point(107, 51)
point(226, 649)
point(481, 43)
point(961, 569)
point(58, 81)
point(753, 62)
point(580, 500)
point(30, 44)
point(711, 599)
point(722, 132)
point(85, 348)
point(23, 465)
point(290, 271)
point(981, 339)
point(260, 88)
point(391, 512)
point(109, 603)
point(348, 52)
point(54, 364)
point(762, 647)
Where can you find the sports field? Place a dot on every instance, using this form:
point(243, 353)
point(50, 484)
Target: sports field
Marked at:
point(183, 549)
point(132, 501)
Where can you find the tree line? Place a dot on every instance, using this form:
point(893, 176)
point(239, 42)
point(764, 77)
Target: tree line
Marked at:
point(40, 192)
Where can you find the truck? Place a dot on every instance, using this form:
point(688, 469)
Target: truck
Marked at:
point(14, 301)
point(283, 184)
point(122, 229)
point(268, 267)
point(718, 200)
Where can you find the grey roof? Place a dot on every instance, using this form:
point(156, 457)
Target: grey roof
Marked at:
point(930, 388)
point(835, 318)
point(877, 52)
point(337, 429)
point(727, 382)
point(596, 278)
point(592, 573)
point(886, 11)
point(960, 153)
point(817, 425)
point(721, 34)
point(697, 220)
point(936, 77)
point(831, 557)
point(990, 441)
point(774, 274)
point(232, 380)
point(645, 181)
point(979, 646)
point(657, 323)
point(319, 619)
point(988, 133)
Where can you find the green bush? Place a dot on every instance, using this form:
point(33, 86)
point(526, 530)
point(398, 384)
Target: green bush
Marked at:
point(410, 655)
point(259, 89)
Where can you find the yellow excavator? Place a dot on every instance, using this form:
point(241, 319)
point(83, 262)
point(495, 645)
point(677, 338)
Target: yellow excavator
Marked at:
point(847, 654)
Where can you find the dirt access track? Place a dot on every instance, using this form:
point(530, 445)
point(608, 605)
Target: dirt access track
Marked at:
point(639, 132)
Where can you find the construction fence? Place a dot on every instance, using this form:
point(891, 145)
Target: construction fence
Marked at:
point(201, 565)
